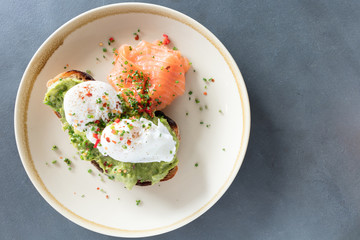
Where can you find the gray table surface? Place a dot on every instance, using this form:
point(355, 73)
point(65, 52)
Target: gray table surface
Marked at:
point(301, 175)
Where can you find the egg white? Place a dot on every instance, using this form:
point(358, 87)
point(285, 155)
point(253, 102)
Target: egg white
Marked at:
point(90, 101)
point(138, 141)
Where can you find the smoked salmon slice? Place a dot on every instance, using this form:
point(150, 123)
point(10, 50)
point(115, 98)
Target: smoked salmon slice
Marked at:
point(150, 69)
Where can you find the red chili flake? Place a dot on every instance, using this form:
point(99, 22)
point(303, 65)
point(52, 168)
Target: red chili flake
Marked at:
point(213, 80)
point(98, 129)
point(113, 141)
point(104, 105)
point(98, 188)
point(108, 139)
point(167, 68)
point(205, 93)
point(121, 138)
point(95, 135)
point(148, 111)
point(117, 120)
point(105, 163)
point(111, 40)
point(136, 37)
point(89, 94)
point(96, 143)
point(107, 196)
point(106, 171)
point(166, 39)
point(128, 142)
point(97, 122)
point(113, 131)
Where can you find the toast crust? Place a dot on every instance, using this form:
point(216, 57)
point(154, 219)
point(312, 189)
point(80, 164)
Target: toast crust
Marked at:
point(87, 77)
point(71, 74)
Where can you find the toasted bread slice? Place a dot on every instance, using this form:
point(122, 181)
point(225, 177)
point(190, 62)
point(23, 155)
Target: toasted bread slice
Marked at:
point(86, 77)
point(172, 171)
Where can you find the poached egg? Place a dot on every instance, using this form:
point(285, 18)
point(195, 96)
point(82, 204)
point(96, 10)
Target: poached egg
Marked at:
point(89, 101)
point(137, 141)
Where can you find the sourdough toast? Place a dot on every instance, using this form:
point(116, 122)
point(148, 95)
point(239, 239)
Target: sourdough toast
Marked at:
point(86, 77)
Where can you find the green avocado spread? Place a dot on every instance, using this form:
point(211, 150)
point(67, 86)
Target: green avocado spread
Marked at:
point(126, 172)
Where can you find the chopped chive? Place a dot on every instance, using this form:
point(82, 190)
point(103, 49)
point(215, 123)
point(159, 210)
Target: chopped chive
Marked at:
point(67, 161)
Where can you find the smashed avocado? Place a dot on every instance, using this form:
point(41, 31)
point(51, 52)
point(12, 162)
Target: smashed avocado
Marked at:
point(128, 173)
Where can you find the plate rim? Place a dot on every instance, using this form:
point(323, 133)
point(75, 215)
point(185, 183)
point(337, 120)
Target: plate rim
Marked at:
point(40, 59)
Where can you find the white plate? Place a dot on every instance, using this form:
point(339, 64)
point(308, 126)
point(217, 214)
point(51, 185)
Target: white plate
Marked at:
point(218, 150)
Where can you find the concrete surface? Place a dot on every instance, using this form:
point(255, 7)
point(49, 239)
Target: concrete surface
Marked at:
point(301, 63)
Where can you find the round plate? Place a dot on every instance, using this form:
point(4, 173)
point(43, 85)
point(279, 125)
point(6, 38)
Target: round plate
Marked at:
point(214, 131)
